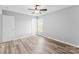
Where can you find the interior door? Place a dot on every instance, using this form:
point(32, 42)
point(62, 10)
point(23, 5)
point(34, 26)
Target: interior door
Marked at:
point(8, 28)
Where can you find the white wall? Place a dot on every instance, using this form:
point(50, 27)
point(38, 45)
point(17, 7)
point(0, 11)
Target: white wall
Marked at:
point(63, 25)
point(22, 23)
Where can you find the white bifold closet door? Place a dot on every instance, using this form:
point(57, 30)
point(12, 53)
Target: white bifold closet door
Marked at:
point(8, 25)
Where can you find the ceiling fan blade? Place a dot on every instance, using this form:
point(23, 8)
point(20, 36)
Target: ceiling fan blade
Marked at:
point(43, 9)
point(30, 9)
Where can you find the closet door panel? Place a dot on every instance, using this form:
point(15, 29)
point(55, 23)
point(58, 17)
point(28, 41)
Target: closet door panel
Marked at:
point(0, 28)
point(8, 28)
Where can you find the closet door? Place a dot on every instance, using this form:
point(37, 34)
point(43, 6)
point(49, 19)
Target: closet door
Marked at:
point(0, 29)
point(8, 31)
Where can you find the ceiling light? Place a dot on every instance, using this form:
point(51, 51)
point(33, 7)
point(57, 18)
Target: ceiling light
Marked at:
point(37, 11)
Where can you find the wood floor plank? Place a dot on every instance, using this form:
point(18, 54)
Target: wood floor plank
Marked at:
point(36, 45)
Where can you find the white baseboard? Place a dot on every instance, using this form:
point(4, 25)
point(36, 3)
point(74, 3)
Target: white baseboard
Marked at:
point(59, 40)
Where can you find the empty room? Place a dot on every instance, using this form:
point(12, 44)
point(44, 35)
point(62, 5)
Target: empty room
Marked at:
point(39, 29)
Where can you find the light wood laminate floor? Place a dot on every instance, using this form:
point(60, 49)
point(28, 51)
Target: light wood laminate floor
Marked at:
point(36, 45)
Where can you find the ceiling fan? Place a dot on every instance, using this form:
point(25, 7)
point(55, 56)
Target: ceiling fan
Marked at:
point(37, 9)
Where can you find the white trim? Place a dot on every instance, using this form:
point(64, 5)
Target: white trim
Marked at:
point(59, 40)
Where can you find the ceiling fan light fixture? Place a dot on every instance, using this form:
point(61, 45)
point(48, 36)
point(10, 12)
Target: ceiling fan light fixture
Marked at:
point(37, 11)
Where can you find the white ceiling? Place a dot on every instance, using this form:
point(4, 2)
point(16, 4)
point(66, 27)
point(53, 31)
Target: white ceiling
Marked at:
point(24, 8)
